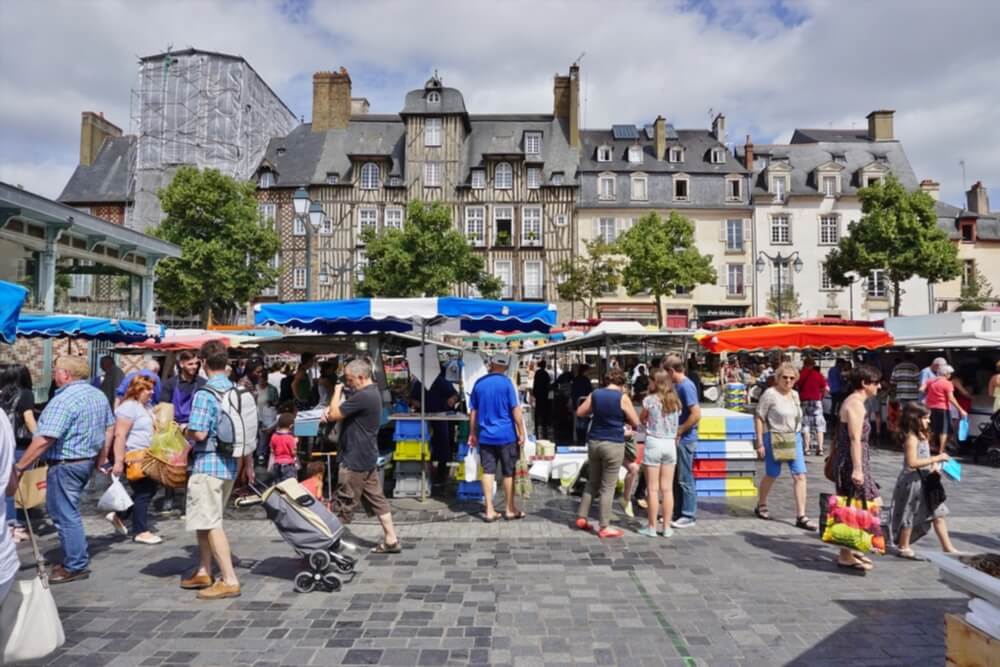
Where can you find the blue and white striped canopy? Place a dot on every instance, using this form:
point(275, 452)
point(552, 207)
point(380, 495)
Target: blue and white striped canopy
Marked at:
point(11, 298)
point(379, 315)
point(41, 325)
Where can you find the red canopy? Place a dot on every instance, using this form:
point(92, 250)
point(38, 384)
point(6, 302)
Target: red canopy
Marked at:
point(733, 322)
point(795, 337)
point(183, 342)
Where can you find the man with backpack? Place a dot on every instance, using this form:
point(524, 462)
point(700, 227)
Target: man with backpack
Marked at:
point(221, 418)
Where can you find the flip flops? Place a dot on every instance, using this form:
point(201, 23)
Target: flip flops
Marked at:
point(383, 548)
point(514, 517)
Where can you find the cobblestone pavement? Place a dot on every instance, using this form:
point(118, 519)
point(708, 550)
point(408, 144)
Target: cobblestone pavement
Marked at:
point(732, 591)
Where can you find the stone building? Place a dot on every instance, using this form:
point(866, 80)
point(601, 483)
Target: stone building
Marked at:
point(976, 230)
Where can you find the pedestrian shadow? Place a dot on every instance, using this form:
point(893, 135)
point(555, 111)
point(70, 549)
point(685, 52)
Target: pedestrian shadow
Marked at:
point(96, 546)
point(172, 566)
point(978, 540)
point(279, 567)
point(810, 554)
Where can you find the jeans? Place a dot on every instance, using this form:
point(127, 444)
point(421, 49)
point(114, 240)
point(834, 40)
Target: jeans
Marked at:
point(604, 460)
point(14, 515)
point(143, 491)
point(66, 482)
point(684, 492)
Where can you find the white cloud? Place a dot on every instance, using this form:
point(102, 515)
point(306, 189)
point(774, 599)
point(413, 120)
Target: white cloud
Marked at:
point(812, 63)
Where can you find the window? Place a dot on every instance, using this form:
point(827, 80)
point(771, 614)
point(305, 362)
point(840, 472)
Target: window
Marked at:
point(680, 188)
point(367, 218)
point(369, 176)
point(734, 189)
point(606, 188)
point(533, 279)
point(268, 212)
point(778, 187)
point(531, 226)
point(560, 221)
point(503, 221)
point(839, 158)
point(829, 186)
point(395, 180)
point(734, 235)
point(968, 230)
point(682, 291)
point(503, 179)
point(504, 270)
point(326, 227)
point(872, 180)
point(534, 178)
point(607, 230)
point(781, 275)
point(675, 154)
point(275, 263)
point(825, 283)
point(324, 277)
point(478, 179)
point(558, 178)
point(604, 153)
point(298, 227)
point(266, 179)
point(299, 278)
point(432, 174)
point(639, 188)
point(718, 156)
point(533, 143)
point(433, 97)
point(332, 178)
point(876, 286)
point(829, 230)
point(968, 272)
point(360, 263)
point(432, 132)
point(734, 279)
point(635, 154)
point(475, 225)
point(393, 218)
point(781, 230)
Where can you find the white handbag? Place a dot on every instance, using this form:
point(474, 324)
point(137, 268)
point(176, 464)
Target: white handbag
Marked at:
point(29, 619)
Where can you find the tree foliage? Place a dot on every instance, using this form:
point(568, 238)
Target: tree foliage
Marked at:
point(791, 306)
point(427, 257)
point(898, 233)
point(226, 245)
point(585, 279)
point(662, 257)
point(977, 293)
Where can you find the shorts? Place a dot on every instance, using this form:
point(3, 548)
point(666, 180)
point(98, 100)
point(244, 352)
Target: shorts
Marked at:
point(358, 487)
point(941, 421)
point(206, 498)
point(506, 455)
point(660, 451)
point(634, 451)
point(813, 420)
point(772, 468)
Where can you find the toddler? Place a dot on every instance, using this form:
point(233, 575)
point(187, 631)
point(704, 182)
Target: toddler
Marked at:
point(283, 445)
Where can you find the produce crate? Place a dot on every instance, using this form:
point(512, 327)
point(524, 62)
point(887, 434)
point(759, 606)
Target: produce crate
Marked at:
point(727, 426)
point(412, 450)
point(460, 472)
point(725, 449)
point(729, 487)
point(470, 491)
point(409, 467)
point(410, 430)
point(722, 468)
point(408, 485)
point(968, 646)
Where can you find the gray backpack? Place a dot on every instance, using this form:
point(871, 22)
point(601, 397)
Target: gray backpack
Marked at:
point(236, 430)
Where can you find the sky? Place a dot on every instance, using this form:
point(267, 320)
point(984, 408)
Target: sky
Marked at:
point(769, 65)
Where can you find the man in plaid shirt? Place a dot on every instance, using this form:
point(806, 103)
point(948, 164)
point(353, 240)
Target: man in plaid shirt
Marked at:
point(75, 428)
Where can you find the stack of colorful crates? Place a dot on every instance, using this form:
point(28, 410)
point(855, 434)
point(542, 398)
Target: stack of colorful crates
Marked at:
point(409, 460)
point(724, 460)
point(467, 491)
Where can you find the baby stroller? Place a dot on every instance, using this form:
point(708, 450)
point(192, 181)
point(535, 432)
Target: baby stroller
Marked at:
point(987, 442)
point(309, 528)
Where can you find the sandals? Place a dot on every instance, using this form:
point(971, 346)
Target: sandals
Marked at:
point(489, 519)
point(762, 513)
point(857, 565)
point(907, 553)
point(514, 517)
point(805, 523)
point(383, 548)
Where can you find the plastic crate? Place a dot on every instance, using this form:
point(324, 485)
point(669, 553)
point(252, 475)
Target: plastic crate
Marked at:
point(409, 485)
point(730, 487)
point(470, 491)
point(721, 468)
point(460, 472)
point(725, 449)
point(408, 467)
point(412, 450)
point(407, 429)
point(727, 426)
point(463, 449)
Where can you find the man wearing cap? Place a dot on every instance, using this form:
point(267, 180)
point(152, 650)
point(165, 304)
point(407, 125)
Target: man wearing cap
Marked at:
point(496, 427)
point(929, 374)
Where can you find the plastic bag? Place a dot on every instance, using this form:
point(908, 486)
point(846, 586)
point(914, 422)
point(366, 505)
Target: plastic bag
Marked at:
point(472, 465)
point(963, 429)
point(522, 483)
point(853, 523)
point(116, 498)
point(169, 445)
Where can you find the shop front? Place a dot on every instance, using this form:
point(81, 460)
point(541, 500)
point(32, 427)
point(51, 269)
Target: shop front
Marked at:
point(710, 313)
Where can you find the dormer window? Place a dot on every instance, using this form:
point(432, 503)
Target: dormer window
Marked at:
point(369, 176)
point(639, 187)
point(829, 184)
point(503, 178)
point(604, 153)
point(558, 178)
point(675, 154)
point(434, 97)
point(395, 180)
point(478, 179)
point(533, 143)
point(839, 158)
point(734, 189)
point(872, 180)
point(266, 179)
point(635, 154)
point(779, 187)
point(968, 231)
point(332, 178)
point(718, 156)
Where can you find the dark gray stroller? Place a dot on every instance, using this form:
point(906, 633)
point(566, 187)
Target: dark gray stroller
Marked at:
point(309, 528)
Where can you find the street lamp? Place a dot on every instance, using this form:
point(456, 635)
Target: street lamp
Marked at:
point(779, 262)
point(852, 278)
point(311, 214)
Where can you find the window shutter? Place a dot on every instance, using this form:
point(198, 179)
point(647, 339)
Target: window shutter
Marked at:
point(746, 234)
point(747, 277)
point(597, 229)
point(791, 238)
point(722, 278)
point(723, 224)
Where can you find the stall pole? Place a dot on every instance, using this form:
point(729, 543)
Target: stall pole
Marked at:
point(423, 407)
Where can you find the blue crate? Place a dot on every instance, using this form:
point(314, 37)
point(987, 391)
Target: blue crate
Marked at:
point(463, 450)
point(569, 449)
point(410, 430)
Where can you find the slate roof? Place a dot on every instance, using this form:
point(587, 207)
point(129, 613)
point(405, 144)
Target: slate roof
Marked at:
point(987, 225)
point(697, 145)
point(801, 136)
point(416, 102)
point(106, 180)
point(503, 135)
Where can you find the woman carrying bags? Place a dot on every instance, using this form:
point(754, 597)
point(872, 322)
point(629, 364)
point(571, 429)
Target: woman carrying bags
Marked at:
point(133, 435)
point(778, 426)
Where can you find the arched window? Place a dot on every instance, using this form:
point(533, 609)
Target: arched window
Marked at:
point(433, 97)
point(504, 177)
point(369, 176)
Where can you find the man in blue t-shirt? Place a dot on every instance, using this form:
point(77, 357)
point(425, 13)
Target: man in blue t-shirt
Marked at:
point(496, 427)
point(685, 498)
point(151, 369)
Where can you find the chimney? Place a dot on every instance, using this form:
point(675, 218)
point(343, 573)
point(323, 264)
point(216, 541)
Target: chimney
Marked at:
point(566, 102)
point(94, 129)
point(880, 125)
point(931, 187)
point(976, 199)
point(660, 136)
point(719, 128)
point(748, 154)
point(359, 106)
point(331, 100)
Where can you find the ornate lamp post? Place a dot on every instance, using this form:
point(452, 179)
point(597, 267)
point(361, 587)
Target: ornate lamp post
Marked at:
point(311, 214)
point(779, 262)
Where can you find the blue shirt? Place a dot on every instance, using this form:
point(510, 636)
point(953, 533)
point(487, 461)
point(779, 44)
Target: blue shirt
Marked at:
point(78, 417)
point(123, 386)
point(834, 380)
point(688, 394)
point(926, 375)
point(205, 417)
point(494, 399)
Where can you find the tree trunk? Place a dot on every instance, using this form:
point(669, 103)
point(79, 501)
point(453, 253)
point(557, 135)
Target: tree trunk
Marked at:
point(206, 315)
point(897, 297)
point(659, 310)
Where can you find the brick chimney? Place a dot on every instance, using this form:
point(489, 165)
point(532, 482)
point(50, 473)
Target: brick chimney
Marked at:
point(719, 128)
point(566, 102)
point(94, 129)
point(880, 125)
point(931, 187)
point(976, 199)
point(331, 100)
point(748, 154)
point(660, 137)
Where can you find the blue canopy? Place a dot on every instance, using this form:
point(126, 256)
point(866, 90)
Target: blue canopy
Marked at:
point(377, 315)
point(11, 298)
point(39, 325)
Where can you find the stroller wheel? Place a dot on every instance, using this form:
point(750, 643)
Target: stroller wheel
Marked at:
point(344, 567)
point(332, 582)
point(319, 561)
point(993, 457)
point(305, 582)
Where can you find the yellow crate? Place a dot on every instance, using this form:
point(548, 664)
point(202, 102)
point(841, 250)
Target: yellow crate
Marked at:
point(460, 472)
point(412, 450)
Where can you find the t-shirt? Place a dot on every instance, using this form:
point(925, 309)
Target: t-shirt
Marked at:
point(811, 385)
point(283, 448)
point(141, 433)
point(123, 387)
point(926, 375)
point(494, 399)
point(906, 378)
point(834, 378)
point(358, 446)
point(660, 424)
point(181, 394)
point(9, 563)
point(781, 413)
point(541, 385)
point(688, 393)
point(937, 394)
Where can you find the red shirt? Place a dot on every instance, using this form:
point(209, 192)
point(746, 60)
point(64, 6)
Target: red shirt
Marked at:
point(283, 448)
point(937, 393)
point(811, 385)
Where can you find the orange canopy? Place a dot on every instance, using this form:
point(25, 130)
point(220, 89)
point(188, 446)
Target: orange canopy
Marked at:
point(795, 337)
point(183, 342)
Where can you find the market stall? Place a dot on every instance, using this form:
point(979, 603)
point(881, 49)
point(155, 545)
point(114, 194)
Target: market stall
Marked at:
point(55, 325)
point(11, 299)
point(795, 337)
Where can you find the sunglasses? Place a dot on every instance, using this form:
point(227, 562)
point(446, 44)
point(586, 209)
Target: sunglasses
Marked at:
point(788, 377)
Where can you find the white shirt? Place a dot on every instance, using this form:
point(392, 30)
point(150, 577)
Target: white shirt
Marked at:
point(9, 563)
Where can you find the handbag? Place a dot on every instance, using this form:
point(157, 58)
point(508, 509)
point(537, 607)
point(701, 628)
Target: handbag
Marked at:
point(933, 489)
point(830, 464)
point(853, 523)
point(31, 488)
point(522, 483)
point(784, 445)
point(30, 627)
point(133, 465)
point(167, 474)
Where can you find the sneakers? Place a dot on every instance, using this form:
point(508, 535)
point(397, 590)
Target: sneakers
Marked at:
point(219, 590)
point(647, 531)
point(118, 524)
point(610, 532)
point(667, 532)
point(683, 522)
point(582, 524)
point(627, 506)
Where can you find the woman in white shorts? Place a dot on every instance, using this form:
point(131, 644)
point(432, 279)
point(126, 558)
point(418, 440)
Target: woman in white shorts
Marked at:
point(660, 411)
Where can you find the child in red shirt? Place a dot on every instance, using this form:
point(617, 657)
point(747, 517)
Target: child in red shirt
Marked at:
point(283, 450)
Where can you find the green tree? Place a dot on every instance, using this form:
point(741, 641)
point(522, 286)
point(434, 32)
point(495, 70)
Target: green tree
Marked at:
point(427, 257)
point(898, 233)
point(662, 257)
point(226, 244)
point(584, 279)
point(977, 293)
point(791, 306)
